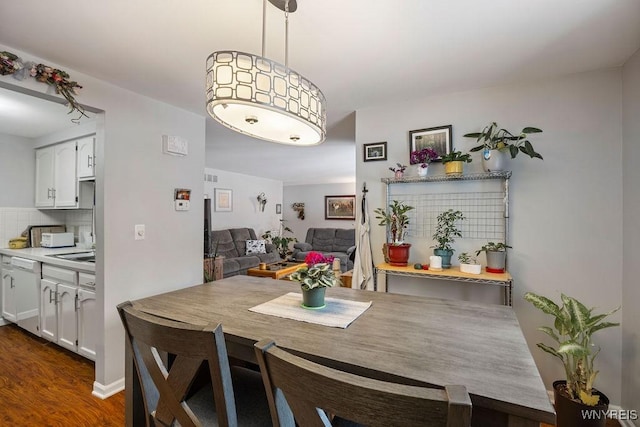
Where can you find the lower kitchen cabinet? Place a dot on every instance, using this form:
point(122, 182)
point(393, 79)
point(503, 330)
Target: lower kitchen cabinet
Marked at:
point(67, 309)
point(8, 291)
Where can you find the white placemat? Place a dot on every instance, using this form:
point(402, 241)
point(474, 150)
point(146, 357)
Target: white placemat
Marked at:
point(338, 313)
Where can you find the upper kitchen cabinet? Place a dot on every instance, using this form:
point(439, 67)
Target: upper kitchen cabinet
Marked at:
point(56, 178)
point(86, 158)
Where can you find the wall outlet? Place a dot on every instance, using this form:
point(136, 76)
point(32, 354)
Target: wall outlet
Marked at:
point(139, 232)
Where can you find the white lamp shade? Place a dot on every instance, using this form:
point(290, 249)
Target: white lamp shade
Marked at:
point(263, 99)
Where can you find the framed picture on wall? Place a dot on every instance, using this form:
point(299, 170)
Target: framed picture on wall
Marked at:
point(340, 207)
point(437, 138)
point(223, 200)
point(375, 151)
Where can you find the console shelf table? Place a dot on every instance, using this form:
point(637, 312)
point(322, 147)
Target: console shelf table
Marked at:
point(487, 220)
point(453, 273)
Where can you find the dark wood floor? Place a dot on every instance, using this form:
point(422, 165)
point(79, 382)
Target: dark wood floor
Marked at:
point(44, 385)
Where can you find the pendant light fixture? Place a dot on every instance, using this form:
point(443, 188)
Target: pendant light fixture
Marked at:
point(261, 98)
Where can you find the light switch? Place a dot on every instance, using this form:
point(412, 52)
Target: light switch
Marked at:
point(139, 231)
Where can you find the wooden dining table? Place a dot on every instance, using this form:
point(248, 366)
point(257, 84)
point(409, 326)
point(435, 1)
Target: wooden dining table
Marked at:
point(401, 338)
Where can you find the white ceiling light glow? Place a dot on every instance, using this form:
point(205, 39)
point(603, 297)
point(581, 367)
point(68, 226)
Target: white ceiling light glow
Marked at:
point(261, 98)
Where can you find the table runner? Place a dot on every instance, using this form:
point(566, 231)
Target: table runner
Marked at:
point(338, 313)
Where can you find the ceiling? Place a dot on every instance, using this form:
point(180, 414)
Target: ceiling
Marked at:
point(360, 53)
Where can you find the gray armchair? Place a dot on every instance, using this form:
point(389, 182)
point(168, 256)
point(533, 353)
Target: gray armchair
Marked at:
point(337, 242)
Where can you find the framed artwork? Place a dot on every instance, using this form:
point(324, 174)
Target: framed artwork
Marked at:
point(278, 209)
point(223, 200)
point(375, 151)
point(438, 139)
point(340, 207)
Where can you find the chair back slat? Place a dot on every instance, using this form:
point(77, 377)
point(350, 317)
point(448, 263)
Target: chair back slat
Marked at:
point(307, 386)
point(150, 338)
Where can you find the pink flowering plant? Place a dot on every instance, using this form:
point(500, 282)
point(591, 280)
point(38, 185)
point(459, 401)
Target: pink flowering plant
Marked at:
point(424, 156)
point(317, 273)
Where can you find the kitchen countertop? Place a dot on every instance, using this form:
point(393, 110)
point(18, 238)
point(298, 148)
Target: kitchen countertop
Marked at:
point(41, 254)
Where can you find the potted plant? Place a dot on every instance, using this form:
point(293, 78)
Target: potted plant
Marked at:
point(454, 162)
point(574, 324)
point(495, 144)
point(396, 251)
point(446, 232)
point(496, 256)
point(314, 279)
point(280, 241)
point(469, 264)
point(422, 158)
point(398, 171)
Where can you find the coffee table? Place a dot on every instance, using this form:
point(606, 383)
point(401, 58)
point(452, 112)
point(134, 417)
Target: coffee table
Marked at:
point(277, 270)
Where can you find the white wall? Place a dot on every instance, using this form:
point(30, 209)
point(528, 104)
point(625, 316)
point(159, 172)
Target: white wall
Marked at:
point(566, 211)
point(17, 171)
point(246, 211)
point(313, 198)
point(134, 185)
point(631, 213)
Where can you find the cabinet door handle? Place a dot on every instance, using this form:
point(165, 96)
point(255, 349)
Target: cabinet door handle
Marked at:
point(11, 282)
point(89, 161)
point(53, 191)
point(76, 303)
point(51, 299)
point(48, 193)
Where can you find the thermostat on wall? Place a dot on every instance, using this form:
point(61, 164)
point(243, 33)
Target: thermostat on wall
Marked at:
point(174, 145)
point(181, 197)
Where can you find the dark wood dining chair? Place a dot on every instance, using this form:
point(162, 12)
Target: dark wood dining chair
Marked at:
point(311, 395)
point(167, 388)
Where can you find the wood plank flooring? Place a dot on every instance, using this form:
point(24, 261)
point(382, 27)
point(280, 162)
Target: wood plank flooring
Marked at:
point(42, 384)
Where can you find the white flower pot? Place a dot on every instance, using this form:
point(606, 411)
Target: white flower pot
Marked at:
point(422, 171)
point(471, 268)
point(495, 160)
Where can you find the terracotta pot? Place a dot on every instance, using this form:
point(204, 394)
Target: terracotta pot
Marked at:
point(398, 254)
point(570, 413)
point(454, 168)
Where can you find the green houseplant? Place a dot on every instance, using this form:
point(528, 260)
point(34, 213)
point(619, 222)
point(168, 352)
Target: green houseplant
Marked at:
point(454, 162)
point(573, 328)
point(496, 254)
point(314, 279)
point(496, 142)
point(396, 219)
point(469, 264)
point(279, 240)
point(446, 232)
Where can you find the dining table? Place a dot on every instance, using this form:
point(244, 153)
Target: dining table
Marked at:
point(400, 338)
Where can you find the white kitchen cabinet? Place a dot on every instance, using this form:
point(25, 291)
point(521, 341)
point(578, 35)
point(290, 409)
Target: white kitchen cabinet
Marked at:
point(87, 323)
point(67, 317)
point(86, 158)
point(8, 291)
point(58, 306)
point(49, 309)
point(44, 177)
point(56, 180)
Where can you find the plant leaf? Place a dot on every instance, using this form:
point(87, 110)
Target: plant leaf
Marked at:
point(547, 330)
point(551, 351)
point(543, 303)
point(531, 130)
point(573, 348)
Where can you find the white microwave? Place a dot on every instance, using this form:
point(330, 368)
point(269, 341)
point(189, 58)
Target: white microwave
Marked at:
point(56, 240)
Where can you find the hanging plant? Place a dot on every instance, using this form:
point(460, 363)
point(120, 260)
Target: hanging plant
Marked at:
point(58, 79)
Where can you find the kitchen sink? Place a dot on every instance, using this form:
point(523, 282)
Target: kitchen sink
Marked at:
point(77, 256)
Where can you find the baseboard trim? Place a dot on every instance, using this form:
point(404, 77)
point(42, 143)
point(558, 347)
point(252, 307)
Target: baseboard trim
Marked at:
point(105, 391)
point(623, 423)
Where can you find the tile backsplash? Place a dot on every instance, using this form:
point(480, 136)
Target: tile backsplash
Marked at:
point(13, 221)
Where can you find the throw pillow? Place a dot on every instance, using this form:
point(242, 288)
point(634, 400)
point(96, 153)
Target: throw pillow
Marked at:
point(256, 247)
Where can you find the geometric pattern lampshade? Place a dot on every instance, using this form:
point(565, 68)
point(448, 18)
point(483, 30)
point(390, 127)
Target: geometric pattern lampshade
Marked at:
point(264, 99)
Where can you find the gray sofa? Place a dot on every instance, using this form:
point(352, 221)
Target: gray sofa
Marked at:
point(232, 245)
point(339, 242)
